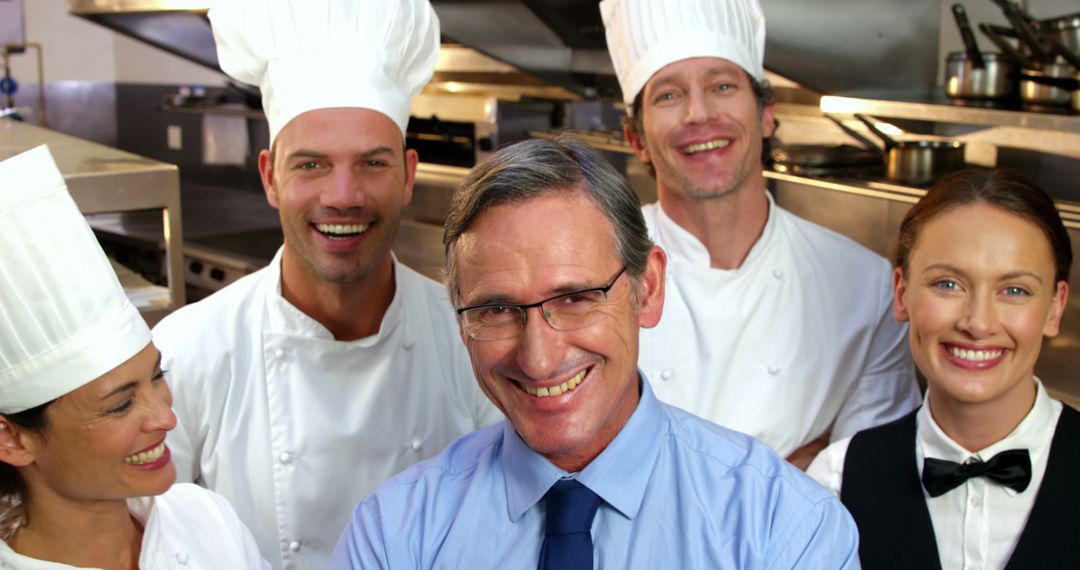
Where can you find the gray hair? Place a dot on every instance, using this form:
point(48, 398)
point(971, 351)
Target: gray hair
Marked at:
point(536, 167)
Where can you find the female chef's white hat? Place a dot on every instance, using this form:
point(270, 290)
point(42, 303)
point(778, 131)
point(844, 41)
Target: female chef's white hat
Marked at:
point(64, 319)
point(317, 54)
point(643, 36)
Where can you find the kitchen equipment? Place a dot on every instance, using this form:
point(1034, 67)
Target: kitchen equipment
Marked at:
point(1076, 93)
point(826, 160)
point(1049, 85)
point(918, 161)
point(997, 79)
point(1065, 30)
point(1030, 36)
point(970, 46)
point(997, 34)
point(971, 74)
point(1070, 56)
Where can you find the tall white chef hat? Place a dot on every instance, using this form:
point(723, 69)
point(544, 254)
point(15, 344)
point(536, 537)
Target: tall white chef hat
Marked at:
point(643, 36)
point(318, 54)
point(64, 319)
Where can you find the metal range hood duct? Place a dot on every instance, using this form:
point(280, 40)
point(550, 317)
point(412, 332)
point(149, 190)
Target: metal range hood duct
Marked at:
point(179, 27)
point(829, 46)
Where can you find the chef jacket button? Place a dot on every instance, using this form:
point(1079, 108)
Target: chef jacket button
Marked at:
point(774, 370)
point(408, 344)
point(182, 558)
point(666, 374)
point(416, 444)
point(294, 546)
point(778, 273)
point(285, 457)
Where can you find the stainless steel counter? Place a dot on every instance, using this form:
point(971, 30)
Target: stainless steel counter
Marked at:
point(103, 179)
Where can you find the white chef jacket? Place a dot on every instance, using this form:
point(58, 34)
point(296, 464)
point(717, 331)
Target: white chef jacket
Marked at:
point(294, 427)
point(187, 528)
point(978, 524)
point(797, 342)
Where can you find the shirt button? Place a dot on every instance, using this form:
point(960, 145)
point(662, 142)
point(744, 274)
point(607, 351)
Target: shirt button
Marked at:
point(294, 546)
point(182, 558)
point(976, 502)
point(416, 444)
point(778, 273)
point(666, 374)
point(774, 370)
point(285, 457)
point(408, 344)
point(279, 354)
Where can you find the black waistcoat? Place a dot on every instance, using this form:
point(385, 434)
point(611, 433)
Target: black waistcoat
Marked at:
point(882, 490)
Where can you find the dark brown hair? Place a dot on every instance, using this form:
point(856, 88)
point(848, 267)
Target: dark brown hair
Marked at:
point(33, 420)
point(1004, 189)
point(763, 94)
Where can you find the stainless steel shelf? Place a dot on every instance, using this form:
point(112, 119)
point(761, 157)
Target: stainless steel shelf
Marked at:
point(952, 113)
point(103, 179)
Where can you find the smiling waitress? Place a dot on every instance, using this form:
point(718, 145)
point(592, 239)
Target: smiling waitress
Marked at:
point(984, 474)
point(84, 405)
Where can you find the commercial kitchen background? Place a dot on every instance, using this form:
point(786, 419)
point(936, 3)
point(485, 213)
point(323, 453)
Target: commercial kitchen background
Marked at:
point(881, 57)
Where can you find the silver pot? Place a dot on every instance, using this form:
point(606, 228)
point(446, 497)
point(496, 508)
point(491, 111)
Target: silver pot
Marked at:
point(923, 162)
point(964, 80)
point(1036, 92)
point(1065, 30)
point(1076, 93)
point(918, 161)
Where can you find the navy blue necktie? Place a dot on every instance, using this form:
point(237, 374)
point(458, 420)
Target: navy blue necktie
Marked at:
point(571, 507)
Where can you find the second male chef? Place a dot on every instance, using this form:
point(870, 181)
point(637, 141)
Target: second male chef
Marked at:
point(301, 387)
point(772, 326)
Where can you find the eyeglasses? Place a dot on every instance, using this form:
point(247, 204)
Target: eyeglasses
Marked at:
point(565, 312)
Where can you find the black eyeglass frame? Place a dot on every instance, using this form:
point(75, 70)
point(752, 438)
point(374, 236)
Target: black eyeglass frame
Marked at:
point(523, 310)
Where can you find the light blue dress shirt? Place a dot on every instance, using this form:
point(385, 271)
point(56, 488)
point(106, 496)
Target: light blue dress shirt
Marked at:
point(678, 491)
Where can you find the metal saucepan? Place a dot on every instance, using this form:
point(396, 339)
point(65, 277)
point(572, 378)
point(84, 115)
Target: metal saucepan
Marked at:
point(971, 74)
point(1065, 30)
point(918, 161)
point(997, 79)
point(1050, 85)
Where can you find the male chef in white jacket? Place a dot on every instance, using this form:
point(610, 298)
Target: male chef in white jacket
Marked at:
point(301, 387)
point(772, 325)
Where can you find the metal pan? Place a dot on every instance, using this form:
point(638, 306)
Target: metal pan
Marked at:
point(1065, 30)
point(997, 79)
point(918, 161)
point(1050, 85)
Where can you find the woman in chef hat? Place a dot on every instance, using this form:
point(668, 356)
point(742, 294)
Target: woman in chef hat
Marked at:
point(985, 472)
point(84, 405)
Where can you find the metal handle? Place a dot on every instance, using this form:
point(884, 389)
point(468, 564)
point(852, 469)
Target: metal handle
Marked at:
point(886, 139)
point(1028, 34)
point(1006, 49)
point(867, 143)
point(970, 45)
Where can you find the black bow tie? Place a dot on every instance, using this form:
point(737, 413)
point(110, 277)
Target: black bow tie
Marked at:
point(1011, 468)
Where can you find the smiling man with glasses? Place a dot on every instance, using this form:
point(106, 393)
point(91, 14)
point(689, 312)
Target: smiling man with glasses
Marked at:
point(553, 274)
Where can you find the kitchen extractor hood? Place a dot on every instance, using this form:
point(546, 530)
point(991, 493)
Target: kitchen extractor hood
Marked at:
point(829, 46)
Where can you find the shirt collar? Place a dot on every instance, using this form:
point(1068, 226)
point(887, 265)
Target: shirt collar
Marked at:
point(679, 243)
point(288, 319)
point(1032, 433)
point(619, 475)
